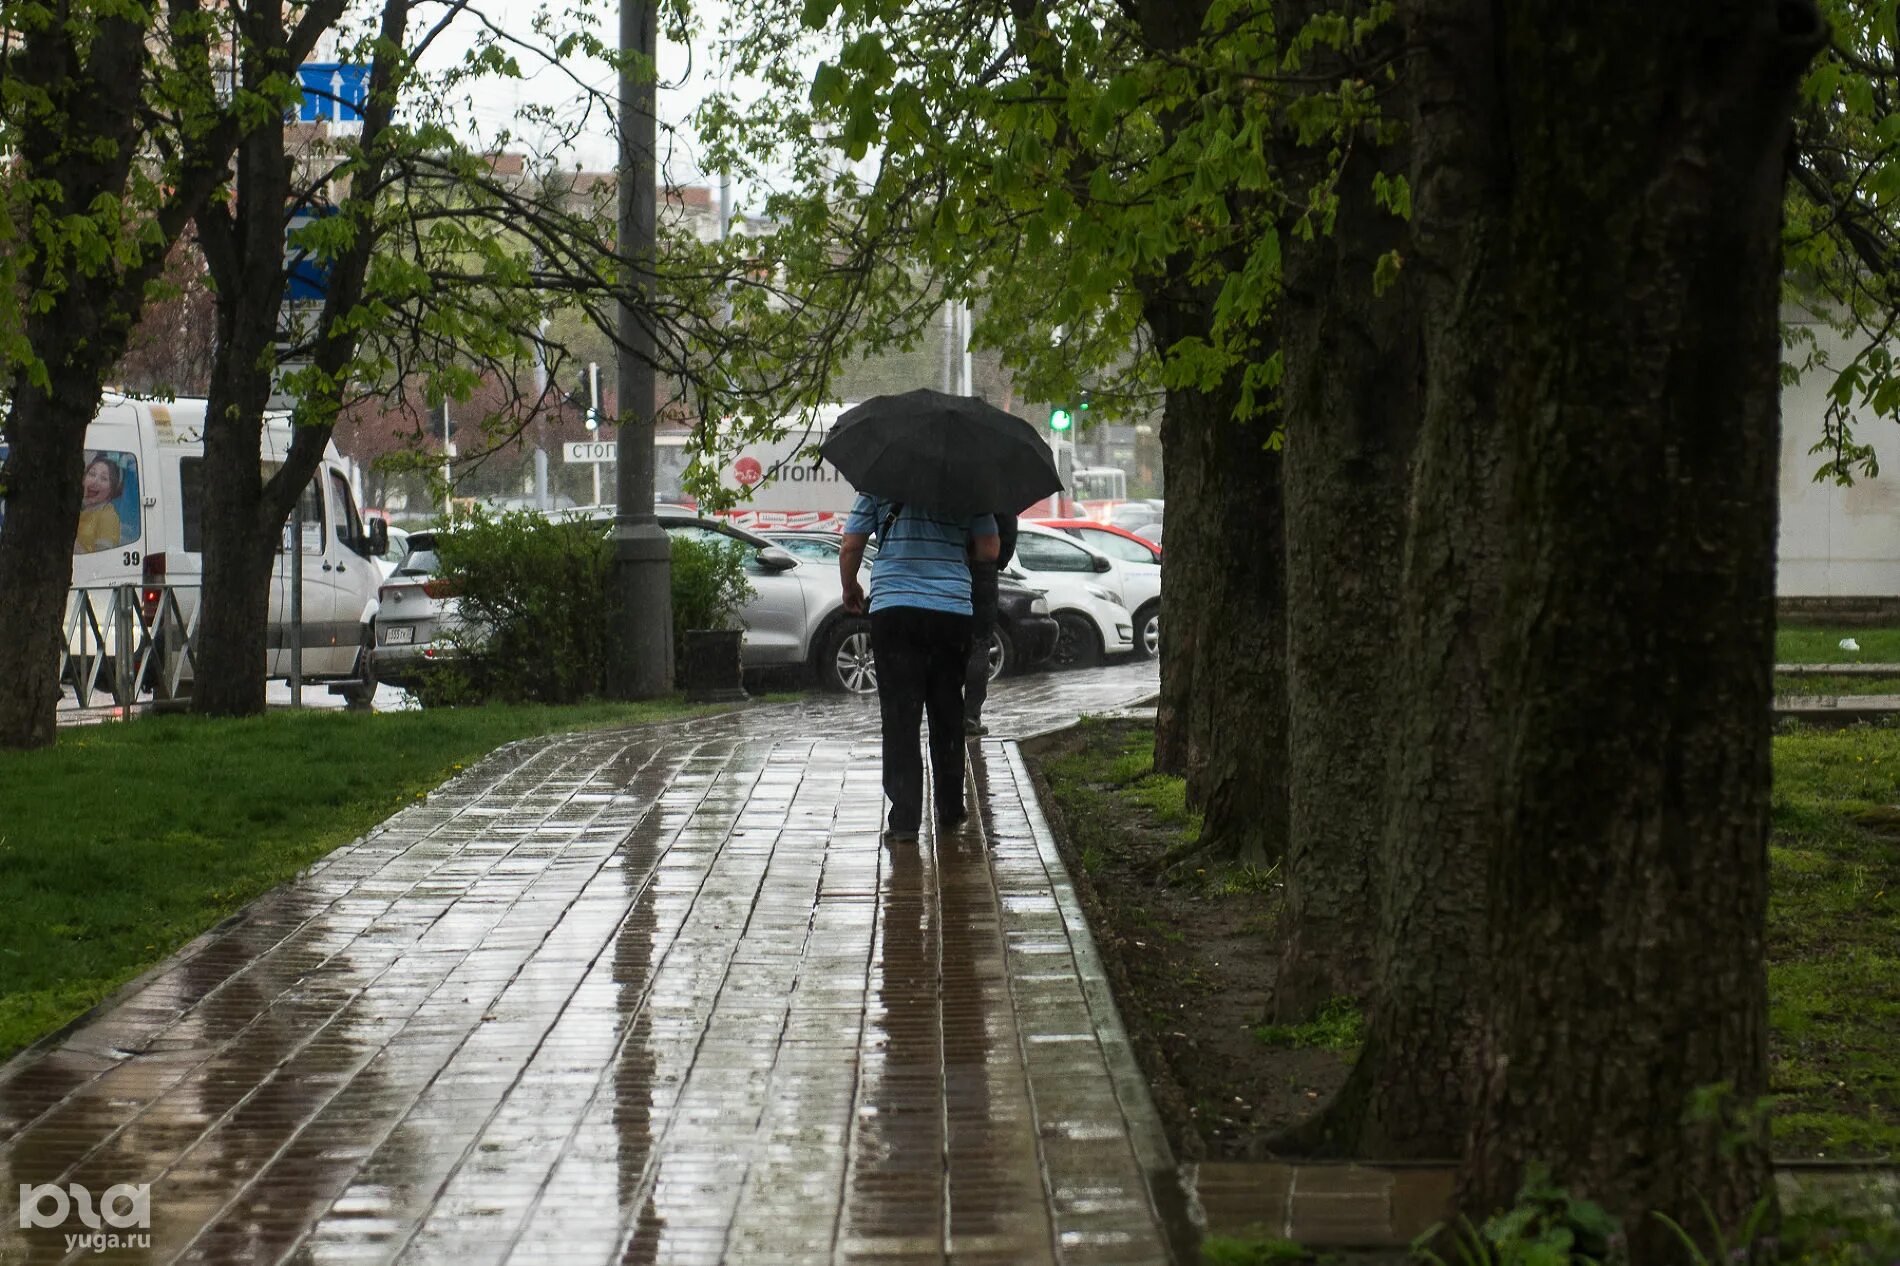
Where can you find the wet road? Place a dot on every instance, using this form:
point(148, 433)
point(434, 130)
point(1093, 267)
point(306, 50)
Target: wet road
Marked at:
point(649, 996)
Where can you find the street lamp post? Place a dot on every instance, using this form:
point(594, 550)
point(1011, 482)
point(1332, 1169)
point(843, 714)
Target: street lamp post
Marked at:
point(639, 599)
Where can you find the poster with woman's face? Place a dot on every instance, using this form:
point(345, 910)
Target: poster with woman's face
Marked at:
point(109, 502)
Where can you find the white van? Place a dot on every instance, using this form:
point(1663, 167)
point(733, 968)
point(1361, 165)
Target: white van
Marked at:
point(142, 525)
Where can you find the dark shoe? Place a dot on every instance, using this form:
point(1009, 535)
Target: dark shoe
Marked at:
point(951, 821)
point(900, 834)
point(971, 729)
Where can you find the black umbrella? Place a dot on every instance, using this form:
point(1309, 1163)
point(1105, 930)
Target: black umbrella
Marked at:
point(953, 454)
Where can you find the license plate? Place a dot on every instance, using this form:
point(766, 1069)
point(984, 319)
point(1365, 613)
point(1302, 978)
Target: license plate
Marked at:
point(398, 635)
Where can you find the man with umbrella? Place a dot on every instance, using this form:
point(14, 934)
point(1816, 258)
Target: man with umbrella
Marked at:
point(920, 637)
point(929, 469)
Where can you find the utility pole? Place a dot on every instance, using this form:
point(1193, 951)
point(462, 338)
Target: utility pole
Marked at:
point(541, 500)
point(639, 599)
point(593, 420)
point(949, 347)
point(448, 466)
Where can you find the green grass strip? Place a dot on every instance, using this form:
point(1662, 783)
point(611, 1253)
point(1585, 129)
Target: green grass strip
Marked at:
point(1794, 645)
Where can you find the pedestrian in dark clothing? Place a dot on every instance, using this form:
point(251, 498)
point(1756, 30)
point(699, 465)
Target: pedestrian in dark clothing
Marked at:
point(920, 639)
point(976, 682)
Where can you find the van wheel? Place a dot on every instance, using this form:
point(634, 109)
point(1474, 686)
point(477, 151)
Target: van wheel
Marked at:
point(358, 697)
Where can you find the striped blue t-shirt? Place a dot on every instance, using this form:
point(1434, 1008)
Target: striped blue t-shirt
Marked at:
point(924, 562)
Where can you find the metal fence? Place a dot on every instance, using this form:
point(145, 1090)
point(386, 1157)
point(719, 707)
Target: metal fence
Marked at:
point(137, 638)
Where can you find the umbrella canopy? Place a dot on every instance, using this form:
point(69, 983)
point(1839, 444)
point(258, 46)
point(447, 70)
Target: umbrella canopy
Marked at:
point(953, 454)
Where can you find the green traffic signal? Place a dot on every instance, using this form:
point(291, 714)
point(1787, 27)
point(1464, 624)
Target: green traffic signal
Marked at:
point(1060, 419)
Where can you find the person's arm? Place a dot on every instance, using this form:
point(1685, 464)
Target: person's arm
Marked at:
point(850, 558)
point(858, 527)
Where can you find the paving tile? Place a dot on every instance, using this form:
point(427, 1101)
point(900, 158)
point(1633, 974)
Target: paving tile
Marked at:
point(659, 995)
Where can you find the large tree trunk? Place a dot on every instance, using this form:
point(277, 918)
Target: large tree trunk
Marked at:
point(1221, 722)
point(1239, 776)
point(1222, 717)
point(1351, 398)
point(77, 150)
point(45, 465)
point(1642, 175)
point(242, 530)
point(1410, 1093)
point(245, 519)
point(1184, 454)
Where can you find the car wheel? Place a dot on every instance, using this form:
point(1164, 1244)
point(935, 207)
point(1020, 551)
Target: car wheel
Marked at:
point(1002, 654)
point(846, 663)
point(1148, 631)
point(1078, 645)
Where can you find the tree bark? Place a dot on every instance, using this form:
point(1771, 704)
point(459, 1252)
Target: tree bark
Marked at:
point(1239, 775)
point(245, 516)
point(1221, 722)
point(76, 156)
point(244, 249)
point(1351, 398)
point(1410, 1093)
point(1183, 582)
point(1637, 324)
point(79, 148)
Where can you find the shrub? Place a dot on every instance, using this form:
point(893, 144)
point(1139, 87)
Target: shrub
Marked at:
point(709, 586)
point(532, 606)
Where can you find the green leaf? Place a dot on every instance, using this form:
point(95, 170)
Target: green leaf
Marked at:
point(827, 85)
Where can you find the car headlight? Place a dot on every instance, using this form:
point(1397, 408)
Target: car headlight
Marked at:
point(1039, 606)
point(1096, 591)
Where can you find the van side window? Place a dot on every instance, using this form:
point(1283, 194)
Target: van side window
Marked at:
point(191, 503)
point(310, 505)
point(110, 505)
point(349, 528)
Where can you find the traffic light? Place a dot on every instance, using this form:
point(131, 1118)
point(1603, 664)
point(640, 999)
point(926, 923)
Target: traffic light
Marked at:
point(1082, 405)
point(1060, 419)
point(593, 396)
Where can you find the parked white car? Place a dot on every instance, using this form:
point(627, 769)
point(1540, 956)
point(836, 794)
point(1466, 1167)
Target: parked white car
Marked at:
point(1139, 566)
point(1085, 593)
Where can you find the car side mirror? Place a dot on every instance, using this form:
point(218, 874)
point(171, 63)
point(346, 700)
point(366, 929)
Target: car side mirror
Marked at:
point(774, 558)
point(1102, 564)
point(378, 536)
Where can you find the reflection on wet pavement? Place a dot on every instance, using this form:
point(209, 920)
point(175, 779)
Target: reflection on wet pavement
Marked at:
point(659, 995)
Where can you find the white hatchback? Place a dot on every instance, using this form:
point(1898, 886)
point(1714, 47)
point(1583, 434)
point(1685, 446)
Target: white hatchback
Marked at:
point(1086, 597)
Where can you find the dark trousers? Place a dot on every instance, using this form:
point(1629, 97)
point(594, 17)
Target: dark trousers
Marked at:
point(976, 681)
point(921, 656)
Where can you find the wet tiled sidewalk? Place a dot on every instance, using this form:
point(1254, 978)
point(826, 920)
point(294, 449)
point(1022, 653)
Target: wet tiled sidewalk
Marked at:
point(650, 996)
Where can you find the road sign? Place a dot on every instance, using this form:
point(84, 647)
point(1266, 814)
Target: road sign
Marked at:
point(582, 452)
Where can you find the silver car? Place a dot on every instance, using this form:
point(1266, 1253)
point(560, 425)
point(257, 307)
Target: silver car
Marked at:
point(414, 610)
